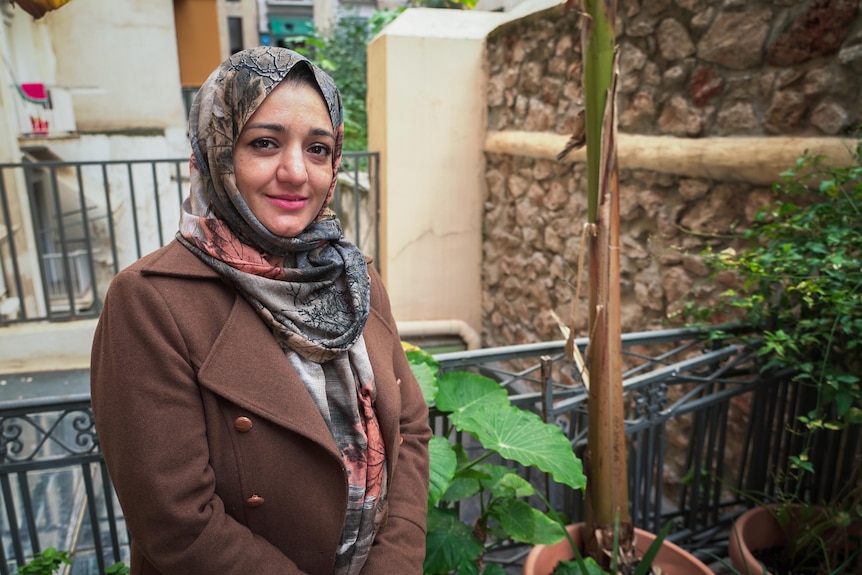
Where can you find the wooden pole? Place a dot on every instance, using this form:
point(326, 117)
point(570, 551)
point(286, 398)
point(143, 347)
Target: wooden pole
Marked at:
point(756, 160)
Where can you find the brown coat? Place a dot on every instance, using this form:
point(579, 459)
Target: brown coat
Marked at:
point(221, 461)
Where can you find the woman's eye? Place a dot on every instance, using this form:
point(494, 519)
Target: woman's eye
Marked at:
point(319, 150)
point(262, 144)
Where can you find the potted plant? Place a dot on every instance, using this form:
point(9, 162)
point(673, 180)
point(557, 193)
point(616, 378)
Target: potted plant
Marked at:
point(50, 560)
point(482, 407)
point(773, 539)
point(651, 550)
point(509, 507)
point(801, 284)
point(607, 537)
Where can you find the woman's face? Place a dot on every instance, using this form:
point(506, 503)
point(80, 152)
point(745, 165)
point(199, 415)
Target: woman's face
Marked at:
point(283, 159)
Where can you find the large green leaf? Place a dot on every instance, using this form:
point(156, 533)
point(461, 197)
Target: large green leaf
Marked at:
point(522, 436)
point(525, 523)
point(442, 467)
point(503, 482)
point(478, 405)
point(461, 488)
point(459, 391)
point(424, 368)
point(449, 543)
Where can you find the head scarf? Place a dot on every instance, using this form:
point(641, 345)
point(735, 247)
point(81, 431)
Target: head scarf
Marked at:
point(312, 290)
point(328, 275)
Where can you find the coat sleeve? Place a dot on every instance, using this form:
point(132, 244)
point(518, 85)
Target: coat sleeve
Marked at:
point(399, 546)
point(150, 419)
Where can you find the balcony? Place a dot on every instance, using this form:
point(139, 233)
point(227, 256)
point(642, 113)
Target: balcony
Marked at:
point(703, 425)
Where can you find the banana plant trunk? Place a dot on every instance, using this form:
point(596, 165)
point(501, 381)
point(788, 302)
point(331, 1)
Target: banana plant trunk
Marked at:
point(609, 530)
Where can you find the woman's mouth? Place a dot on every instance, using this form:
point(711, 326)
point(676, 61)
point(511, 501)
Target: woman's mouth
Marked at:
point(289, 203)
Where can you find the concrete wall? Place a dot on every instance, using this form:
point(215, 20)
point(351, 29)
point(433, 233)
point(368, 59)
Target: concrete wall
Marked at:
point(426, 111)
point(119, 59)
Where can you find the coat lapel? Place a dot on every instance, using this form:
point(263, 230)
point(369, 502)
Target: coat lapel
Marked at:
point(247, 367)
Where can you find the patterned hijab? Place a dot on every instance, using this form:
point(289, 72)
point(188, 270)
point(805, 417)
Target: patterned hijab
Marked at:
point(312, 290)
point(331, 272)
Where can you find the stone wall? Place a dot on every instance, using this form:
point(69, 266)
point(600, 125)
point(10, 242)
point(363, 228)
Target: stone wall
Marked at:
point(689, 69)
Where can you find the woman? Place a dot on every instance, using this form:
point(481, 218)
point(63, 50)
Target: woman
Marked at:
point(255, 408)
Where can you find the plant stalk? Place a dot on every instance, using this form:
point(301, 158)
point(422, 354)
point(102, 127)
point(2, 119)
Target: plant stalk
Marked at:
point(608, 520)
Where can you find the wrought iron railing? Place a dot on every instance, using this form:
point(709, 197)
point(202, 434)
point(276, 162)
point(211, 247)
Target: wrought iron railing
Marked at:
point(705, 430)
point(708, 432)
point(55, 487)
point(672, 381)
point(66, 228)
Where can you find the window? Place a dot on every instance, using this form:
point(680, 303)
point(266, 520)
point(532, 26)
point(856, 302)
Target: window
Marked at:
point(234, 33)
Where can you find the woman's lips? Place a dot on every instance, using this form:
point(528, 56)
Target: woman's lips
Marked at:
point(290, 203)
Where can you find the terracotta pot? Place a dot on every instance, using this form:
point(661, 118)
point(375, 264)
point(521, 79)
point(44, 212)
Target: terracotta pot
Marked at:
point(758, 529)
point(673, 559)
point(755, 529)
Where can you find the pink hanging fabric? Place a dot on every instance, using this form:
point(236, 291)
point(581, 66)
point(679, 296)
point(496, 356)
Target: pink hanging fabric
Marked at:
point(34, 92)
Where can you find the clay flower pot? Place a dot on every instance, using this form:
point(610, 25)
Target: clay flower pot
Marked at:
point(758, 529)
point(754, 530)
point(673, 559)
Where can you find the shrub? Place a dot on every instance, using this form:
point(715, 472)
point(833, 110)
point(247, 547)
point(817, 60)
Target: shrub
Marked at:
point(801, 283)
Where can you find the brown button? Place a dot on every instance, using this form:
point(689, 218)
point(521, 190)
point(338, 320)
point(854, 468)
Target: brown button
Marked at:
point(243, 424)
point(254, 501)
point(400, 440)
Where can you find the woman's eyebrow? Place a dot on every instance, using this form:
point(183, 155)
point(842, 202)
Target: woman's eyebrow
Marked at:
point(282, 129)
point(265, 126)
point(321, 132)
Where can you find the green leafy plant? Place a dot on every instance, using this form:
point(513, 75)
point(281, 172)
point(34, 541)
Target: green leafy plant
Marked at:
point(46, 562)
point(342, 53)
point(801, 282)
point(50, 560)
point(800, 286)
point(506, 435)
point(118, 568)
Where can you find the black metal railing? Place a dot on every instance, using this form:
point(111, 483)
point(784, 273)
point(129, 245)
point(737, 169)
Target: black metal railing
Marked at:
point(55, 487)
point(66, 228)
point(55, 490)
point(708, 432)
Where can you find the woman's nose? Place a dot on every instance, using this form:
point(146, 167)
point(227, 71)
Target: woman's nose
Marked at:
point(291, 168)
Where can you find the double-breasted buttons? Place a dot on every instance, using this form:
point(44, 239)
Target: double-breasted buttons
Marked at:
point(243, 424)
point(254, 501)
